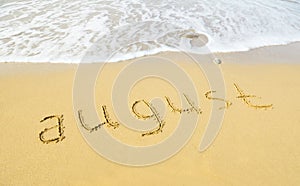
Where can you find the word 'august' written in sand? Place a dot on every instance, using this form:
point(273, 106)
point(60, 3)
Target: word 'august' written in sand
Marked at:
point(154, 115)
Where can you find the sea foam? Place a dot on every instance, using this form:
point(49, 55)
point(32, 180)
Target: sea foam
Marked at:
point(102, 30)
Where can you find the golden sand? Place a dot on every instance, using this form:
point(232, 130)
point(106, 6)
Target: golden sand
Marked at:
point(256, 146)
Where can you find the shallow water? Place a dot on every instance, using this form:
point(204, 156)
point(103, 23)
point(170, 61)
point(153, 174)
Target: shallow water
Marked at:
point(69, 30)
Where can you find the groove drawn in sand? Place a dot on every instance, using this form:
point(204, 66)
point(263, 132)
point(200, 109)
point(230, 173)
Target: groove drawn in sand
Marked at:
point(155, 115)
point(60, 127)
point(172, 106)
point(107, 122)
point(181, 110)
point(192, 104)
point(246, 100)
point(86, 126)
point(227, 103)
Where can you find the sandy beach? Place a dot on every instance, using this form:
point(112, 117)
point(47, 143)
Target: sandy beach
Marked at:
point(254, 146)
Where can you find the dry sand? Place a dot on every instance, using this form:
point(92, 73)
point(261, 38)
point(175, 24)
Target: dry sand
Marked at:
point(254, 146)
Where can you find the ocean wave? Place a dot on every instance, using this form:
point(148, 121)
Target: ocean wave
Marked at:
point(70, 31)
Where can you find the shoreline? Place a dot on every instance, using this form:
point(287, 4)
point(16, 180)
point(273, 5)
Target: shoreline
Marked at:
point(273, 51)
